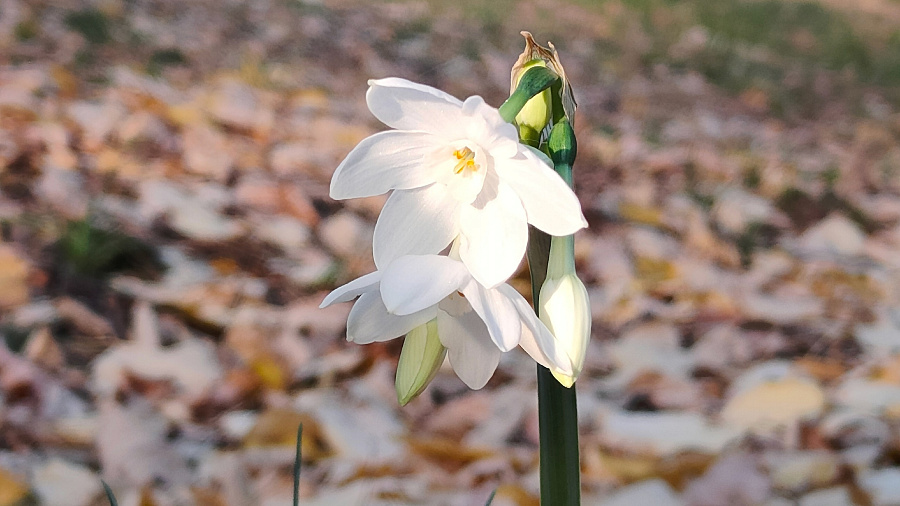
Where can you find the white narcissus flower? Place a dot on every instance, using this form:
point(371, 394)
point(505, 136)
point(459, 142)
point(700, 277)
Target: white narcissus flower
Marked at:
point(475, 324)
point(457, 170)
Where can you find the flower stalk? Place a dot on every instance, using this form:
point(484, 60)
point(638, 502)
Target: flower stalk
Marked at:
point(560, 469)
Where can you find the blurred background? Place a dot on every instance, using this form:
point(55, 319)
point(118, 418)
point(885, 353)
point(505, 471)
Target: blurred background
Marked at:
point(166, 237)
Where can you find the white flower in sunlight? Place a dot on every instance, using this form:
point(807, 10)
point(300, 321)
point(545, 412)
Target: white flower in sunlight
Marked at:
point(475, 324)
point(565, 308)
point(457, 169)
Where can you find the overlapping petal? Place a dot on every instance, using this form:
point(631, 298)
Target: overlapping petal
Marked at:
point(536, 339)
point(497, 312)
point(472, 355)
point(485, 124)
point(406, 105)
point(493, 238)
point(391, 160)
point(414, 282)
point(549, 203)
point(369, 321)
point(415, 222)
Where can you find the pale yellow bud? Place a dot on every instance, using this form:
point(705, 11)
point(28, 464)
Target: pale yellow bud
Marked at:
point(420, 359)
point(534, 51)
point(564, 307)
point(537, 112)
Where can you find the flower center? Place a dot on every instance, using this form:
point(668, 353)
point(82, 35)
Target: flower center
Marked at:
point(466, 160)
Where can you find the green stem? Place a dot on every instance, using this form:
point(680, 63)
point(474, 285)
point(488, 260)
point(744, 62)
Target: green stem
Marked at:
point(557, 407)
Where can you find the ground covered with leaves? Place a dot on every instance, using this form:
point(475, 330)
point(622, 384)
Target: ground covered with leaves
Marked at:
point(167, 237)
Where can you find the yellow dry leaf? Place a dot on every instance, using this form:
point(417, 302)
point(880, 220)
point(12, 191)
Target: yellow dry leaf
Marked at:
point(65, 81)
point(641, 214)
point(517, 495)
point(270, 372)
point(628, 468)
point(654, 270)
point(447, 450)
point(278, 427)
point(12, 491)
point(13, 278)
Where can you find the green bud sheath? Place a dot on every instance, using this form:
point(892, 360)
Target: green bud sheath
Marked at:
point(536, 113)
point(533, 81)
point(420, 359)
point(563, 148)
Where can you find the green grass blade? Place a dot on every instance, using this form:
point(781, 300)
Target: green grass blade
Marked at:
point(297, 466)
point(109, 494)
point(491, 498)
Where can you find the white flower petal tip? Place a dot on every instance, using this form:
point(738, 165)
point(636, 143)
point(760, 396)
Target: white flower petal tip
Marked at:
point(352, 290)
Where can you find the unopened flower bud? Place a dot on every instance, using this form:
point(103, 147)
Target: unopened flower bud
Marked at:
point(420, 359)
point(565, 308)
point(548, 55)
point(537, 112)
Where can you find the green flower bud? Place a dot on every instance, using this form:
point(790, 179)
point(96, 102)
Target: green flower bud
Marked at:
point(565, 307)
point(420, 359)
point(533, 51)
point(536, 114)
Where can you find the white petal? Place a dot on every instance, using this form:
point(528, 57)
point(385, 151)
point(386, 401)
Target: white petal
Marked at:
point(415, 222)
point(414, 282)
point(353, 289)
point(369, 321)
point(406, 105)
point(493, 238)
point(385, 161)
point(549, 202)
point(536, 339)
point(485, 125)
point(472, 354)
point(498, 313)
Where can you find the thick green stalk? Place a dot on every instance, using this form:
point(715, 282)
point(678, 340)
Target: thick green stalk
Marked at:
point(557, 407)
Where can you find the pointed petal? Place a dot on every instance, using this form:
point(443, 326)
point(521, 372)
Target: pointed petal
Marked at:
point(385, 161)
point(414, 282)
point(549, 202)
point(406, 105)
point(485, 124)
point(369, 321)
point(415, 222)
point(498, 313)
point(353, 289)
point(493, 238)
point(536, 338)
point(472, 354)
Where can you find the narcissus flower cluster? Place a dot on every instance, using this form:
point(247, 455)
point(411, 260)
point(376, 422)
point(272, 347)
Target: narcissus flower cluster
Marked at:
point(452, 232)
